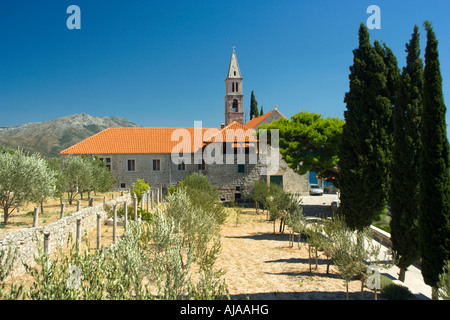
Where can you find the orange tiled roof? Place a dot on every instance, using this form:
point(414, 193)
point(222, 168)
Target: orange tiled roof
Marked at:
point(135, 140)
point(234, 132)
point(255, 121)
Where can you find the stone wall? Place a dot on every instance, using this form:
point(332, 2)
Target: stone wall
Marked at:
point(227, 178)
point(27, 240)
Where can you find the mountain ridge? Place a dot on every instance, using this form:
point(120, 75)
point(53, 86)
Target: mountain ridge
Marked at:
point(52, 136)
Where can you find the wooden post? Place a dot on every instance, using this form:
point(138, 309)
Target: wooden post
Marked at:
point(36, 217)
point(142, 201)
point(114, 223)
point(121, 193)
point(63, 207)
point(148, 200)
point(99, 231)
point(78, 241)
point(112, 196)
point(46, 243)
point(104, 199)
point(78, 205)
point(157, 197)
point(125, 216)
point(91, 202)
point(135, 207)
point(151, 198)
point(160, 190)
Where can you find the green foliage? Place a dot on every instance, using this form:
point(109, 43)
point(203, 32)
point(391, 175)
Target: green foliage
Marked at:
point(23, 178)
point(253, 107)
point(8, 257)
point(92, 275)
point(394, 291)
point(77, 174)
point(282, 206)
point(309, 142)
point(364, 155)
point(350, 250)
point(444, 282)
point(261, 192)
point(139, 188)
point(54, 164)
point(204, 195)
point(102, 178)
point(434, 222)
point(184, 235)
point(405, 175)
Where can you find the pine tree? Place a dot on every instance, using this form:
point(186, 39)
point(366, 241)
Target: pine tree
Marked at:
point(253, 107)
point(434, 225)
point(404, 193)
point(364, 155)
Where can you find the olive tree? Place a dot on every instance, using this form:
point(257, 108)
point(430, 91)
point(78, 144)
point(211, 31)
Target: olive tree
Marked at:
point(23, 178)
point(78, 176)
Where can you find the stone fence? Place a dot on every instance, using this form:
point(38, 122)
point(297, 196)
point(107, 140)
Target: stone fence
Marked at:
point(26, 240)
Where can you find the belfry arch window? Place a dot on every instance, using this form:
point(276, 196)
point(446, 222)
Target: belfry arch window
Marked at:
point(235, 105)
point(232, 87)
point(237, 86)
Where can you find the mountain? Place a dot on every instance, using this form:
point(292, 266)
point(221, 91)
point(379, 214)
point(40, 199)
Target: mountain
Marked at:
point(51, 137)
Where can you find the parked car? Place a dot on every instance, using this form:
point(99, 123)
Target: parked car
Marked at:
point(315, 189)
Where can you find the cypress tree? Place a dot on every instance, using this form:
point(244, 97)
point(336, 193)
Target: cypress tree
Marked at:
point(261, 112)
point(434, 225)
point(405, 174)
point(364, 154)
point(253, 107)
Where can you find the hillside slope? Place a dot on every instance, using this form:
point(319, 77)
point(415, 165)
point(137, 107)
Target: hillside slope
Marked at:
point(51, 137)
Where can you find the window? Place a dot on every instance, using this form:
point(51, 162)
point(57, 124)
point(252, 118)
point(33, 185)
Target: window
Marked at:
point(107, 162)
point(156, 164)
point(235, 73)
point(238, 188)
point(232, 87)
point(123, 185)
point(131, 165)
point(241, 168)
point(235, 105)
point(181, 166)
point(237, 86)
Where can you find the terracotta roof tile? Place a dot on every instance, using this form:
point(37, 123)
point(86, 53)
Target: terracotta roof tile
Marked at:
point(255, 121)
point(136, 140)
point(234, 132)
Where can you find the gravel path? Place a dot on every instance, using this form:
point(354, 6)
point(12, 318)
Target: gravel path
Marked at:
point(261, 265)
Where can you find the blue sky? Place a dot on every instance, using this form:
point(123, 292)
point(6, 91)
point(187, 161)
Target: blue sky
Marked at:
point(163, 63)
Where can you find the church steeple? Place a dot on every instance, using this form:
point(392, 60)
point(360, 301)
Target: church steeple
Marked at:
point(234, 98)
point(233, 69)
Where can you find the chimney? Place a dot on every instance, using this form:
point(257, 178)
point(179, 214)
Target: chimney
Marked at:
point(222, 126)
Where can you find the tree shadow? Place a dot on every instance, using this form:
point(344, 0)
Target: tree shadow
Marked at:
point(316, 210)
point(270, 236)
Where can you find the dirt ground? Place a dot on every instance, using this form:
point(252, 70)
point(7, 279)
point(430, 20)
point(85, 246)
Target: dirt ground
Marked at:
point(261, 265)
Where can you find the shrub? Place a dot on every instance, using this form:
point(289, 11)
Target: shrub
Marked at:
point(394, 291)
point(139, 188)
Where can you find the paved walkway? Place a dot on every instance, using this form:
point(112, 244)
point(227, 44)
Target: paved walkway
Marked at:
point(318, 205)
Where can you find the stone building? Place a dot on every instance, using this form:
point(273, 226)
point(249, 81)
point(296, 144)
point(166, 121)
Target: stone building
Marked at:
point(230, 156)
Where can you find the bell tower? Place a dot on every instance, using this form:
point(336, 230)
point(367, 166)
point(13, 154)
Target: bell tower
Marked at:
point(234, 99)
